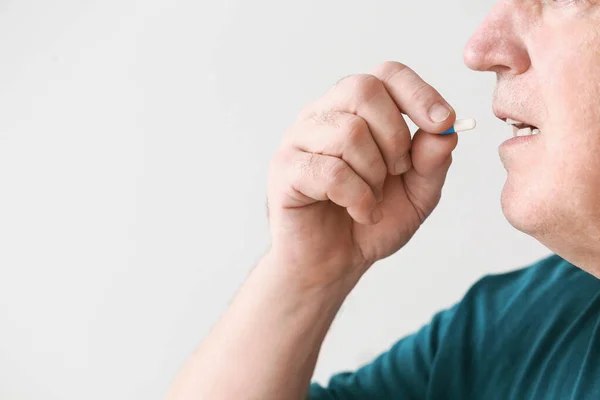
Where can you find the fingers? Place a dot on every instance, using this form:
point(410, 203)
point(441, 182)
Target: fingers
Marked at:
point(345, 136)
point(417, 99)
point(381, 99)
point(366, 97)
point(311, 177)
point(345, 143)
point(431, 157)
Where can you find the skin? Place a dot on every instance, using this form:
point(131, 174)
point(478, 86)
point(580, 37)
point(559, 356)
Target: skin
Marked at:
point(545, 56)
point(349, 187)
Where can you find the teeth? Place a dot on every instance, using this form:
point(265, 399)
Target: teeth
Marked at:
point(521, 128)
point(524, 132)
point(512, 122)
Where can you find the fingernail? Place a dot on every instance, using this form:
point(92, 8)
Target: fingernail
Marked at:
point(403, 164)
point(377, 215)
point(439, 113)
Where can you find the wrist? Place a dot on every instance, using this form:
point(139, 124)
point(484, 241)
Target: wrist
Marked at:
point(308, 280)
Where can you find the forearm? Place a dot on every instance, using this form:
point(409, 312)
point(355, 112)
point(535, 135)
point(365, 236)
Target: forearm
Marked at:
point(266, 345)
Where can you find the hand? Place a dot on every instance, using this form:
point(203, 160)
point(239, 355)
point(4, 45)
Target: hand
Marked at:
point(348, 187)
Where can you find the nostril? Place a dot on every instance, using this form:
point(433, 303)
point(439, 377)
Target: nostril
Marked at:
point(499, 55)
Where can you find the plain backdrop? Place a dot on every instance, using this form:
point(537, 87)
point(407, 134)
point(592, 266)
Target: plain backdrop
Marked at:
point(135, 138)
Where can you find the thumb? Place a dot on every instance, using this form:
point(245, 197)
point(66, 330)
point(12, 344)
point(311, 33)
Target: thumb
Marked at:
point(431, 157)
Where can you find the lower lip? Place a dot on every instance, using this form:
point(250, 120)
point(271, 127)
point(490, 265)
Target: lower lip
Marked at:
point(519, 140)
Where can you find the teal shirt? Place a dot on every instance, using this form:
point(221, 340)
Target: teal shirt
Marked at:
point(529, 334)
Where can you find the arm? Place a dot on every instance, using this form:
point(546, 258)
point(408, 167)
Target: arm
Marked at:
point(348, 187)
point(266, 345)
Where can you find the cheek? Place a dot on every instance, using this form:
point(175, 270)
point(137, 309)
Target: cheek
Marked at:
point(566, 61)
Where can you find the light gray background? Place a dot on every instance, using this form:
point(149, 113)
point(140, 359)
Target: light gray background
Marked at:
point(135, 138)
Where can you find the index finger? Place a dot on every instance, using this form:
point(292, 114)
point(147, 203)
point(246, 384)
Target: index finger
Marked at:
point(415, 97)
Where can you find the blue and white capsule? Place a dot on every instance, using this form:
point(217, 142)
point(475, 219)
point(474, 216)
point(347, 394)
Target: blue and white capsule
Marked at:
point(461, 125)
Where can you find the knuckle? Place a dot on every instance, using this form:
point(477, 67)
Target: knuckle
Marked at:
point(355, 129)
point(418, 91)
point(326, 117)
point(295, 169)
point(309, 166)
point(390, 68)
point(363, 87)
point(343, 79)
point(422, 93)
point(336, 173)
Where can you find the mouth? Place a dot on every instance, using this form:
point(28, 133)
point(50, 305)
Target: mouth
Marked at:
point(521, 128)
point(524, 134)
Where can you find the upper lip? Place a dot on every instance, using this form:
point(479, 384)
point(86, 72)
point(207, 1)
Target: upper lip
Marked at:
point(504, 115)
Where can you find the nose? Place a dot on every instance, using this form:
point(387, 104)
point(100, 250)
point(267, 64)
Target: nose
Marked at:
point(497, 45)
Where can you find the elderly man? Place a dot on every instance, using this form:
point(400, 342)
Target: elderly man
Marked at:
point(349, 187)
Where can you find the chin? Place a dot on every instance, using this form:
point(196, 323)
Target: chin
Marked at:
point(549, 217)
point(525, 211)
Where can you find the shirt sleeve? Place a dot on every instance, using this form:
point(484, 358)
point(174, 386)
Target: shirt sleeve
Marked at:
point(400, 373)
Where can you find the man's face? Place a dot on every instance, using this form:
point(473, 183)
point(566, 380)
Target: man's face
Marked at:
point(546, 55)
